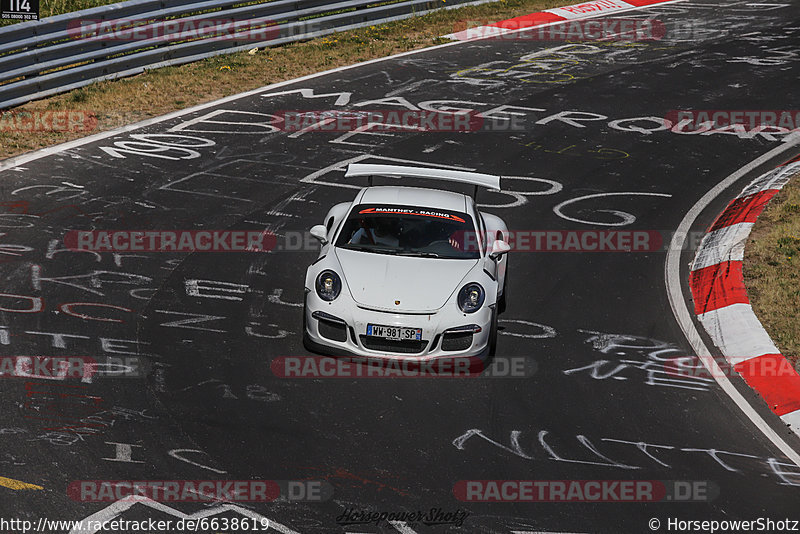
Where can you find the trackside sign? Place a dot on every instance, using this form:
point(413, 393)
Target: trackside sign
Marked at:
point(20, 9)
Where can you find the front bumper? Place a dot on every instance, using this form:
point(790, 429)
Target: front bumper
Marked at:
point(340, 327)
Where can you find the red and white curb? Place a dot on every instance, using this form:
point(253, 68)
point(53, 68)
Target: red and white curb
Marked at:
point(551, 16)
point(721, 304)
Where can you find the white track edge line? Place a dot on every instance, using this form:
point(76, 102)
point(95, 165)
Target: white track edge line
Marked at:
point(680, 307)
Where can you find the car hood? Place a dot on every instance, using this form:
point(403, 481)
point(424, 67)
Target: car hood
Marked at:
point(419, 284)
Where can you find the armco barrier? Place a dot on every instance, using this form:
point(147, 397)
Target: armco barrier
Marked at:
point(42, 58)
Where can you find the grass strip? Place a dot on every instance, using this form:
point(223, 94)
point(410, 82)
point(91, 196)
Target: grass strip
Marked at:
point(772, 269)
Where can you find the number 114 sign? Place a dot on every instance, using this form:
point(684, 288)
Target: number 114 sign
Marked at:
point(20, 9)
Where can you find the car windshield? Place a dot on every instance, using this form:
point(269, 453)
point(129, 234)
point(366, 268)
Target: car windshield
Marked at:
point(409, 231)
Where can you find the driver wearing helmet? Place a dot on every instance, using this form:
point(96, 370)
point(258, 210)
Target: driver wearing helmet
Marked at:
point(376, 231)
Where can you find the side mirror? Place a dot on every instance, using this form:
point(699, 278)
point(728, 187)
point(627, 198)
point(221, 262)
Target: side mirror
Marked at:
point(320, 233)
point(499, 247)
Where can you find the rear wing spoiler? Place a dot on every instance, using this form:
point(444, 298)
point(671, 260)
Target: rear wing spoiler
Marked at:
point(489, 181)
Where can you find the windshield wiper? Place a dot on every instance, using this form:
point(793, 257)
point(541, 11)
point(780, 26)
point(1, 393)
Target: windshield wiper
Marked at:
point(420, 254)
point(377, 250)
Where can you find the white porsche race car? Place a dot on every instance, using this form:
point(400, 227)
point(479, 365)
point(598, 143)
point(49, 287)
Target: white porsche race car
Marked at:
point(407, 272)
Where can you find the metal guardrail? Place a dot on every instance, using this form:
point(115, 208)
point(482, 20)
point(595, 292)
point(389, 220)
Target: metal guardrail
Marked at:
point(61, 53)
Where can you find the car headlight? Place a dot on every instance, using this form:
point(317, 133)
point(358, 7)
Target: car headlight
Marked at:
point(329, 285)
point(471, 297)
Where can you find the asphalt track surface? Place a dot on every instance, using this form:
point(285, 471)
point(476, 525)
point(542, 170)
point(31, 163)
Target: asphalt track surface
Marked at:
point(592, 325)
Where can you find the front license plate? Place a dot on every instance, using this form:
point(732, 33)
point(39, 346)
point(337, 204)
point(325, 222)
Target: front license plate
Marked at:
point(394, 332)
